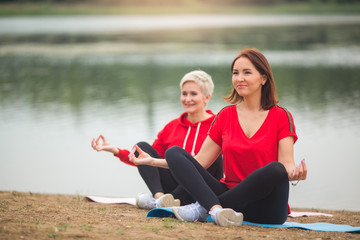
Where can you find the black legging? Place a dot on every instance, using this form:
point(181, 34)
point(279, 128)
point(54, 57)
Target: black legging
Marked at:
point(161, 179)
point(262, 196)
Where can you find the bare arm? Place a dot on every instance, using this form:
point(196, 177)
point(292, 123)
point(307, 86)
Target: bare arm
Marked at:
point(208, 153)
point(286, 157)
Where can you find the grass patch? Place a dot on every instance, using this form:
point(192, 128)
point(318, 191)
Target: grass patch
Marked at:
point(150, 227)
point(102, 209)
point(170, 223)
point(120, 232)
point(91, 210)
point(191, 226)
point(63, 227)
point(52, 235)
point(86, 227)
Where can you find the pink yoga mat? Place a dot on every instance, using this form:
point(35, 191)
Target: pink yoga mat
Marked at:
point(112, 200)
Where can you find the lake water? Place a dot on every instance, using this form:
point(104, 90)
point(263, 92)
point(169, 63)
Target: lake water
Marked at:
point(58, 90)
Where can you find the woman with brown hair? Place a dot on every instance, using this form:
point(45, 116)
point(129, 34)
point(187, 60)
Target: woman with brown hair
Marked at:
point(256, 138)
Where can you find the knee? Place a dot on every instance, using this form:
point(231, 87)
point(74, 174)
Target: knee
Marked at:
point(143, 145)
point(278, 169)
point(172, 152)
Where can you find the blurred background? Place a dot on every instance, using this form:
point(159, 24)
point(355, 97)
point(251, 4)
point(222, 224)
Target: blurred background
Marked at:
point(70, 70)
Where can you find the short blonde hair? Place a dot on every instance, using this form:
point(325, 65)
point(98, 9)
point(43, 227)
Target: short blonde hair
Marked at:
point(202, 79)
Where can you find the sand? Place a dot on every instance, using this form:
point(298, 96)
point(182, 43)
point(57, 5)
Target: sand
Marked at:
point(46, 216)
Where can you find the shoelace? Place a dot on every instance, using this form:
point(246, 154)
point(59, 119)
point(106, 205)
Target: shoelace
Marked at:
point(195, 213)
point(199, 210)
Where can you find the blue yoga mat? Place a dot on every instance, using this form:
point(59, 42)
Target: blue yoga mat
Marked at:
point(320, 226)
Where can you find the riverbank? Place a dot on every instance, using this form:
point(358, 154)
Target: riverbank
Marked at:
point(46, 216)
point(184, 7)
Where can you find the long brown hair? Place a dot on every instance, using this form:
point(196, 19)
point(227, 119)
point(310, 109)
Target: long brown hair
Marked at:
point(268, 91)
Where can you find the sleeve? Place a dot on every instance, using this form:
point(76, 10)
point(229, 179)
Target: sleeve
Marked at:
point(123, 155)
point(215, 131)
point(286, 125)
point(158, 143)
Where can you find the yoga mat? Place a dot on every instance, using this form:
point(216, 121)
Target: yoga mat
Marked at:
point(319, 226)
point(167, 212)
point(112, 200)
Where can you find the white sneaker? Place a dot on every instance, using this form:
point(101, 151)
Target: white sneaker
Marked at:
point(191, 213)
point(226, 217)
point(167, 200)
point(147, 201)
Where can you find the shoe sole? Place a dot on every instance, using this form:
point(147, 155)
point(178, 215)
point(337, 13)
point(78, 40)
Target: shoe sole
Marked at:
point(175, 211)
point(168, 200)
point(228, 217)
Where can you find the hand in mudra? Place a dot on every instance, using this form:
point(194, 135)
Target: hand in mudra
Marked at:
point(101, 146)
point(142, 159)
point(299, 172)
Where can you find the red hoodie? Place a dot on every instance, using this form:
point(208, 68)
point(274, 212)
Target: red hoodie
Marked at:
point(178, 132)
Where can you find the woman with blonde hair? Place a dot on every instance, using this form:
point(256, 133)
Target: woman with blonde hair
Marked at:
point(188, 132)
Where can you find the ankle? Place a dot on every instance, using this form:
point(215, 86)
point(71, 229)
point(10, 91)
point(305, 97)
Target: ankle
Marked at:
point(213, 211)
point(158, 195)
point(215, 206)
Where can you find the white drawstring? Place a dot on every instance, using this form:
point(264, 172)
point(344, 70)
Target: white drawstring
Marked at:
point(186, 137)
point(196, 135)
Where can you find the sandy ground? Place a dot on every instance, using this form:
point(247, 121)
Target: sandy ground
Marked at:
point(46, 216)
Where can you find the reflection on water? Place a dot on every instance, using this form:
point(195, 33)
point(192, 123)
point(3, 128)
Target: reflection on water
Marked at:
point(52, 105)
point(43, 82)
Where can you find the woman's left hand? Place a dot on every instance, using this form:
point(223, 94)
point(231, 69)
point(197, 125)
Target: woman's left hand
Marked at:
point(142, 159)
point(299, 172)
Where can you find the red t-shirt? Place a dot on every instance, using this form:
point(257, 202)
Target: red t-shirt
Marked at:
point(243, 155)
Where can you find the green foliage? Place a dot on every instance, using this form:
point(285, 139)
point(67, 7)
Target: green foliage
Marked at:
point(180, 2)
point(72, 7)
point(270, 38)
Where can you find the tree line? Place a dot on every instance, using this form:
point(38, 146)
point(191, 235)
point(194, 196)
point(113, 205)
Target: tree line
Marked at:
point(187, 2)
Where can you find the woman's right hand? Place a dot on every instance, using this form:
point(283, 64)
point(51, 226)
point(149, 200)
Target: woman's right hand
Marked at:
point(104, 146)
point(145, 159)
point(142, 159)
